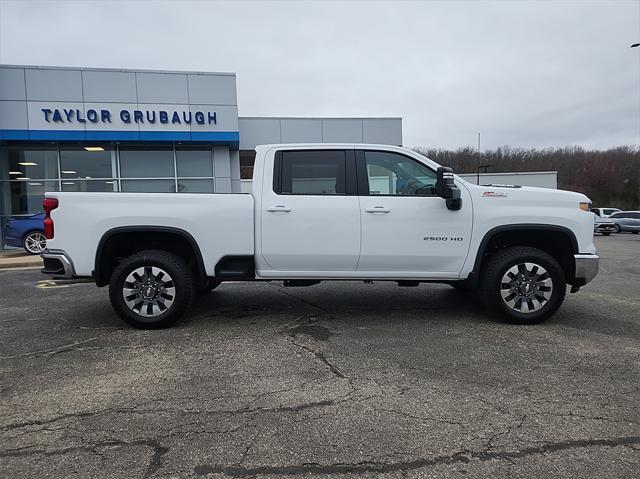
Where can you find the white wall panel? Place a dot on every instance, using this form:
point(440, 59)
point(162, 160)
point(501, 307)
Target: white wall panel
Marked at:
point(53, 84)
point(12, 86)
point(342, 130)
point(109, 86)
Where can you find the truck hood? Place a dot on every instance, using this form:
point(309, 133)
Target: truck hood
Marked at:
point(541, 196)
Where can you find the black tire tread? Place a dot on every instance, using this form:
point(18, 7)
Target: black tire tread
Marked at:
point(180, 273)
point(494, 265)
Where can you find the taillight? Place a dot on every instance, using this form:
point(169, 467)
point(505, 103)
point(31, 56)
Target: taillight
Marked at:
point(48, 204)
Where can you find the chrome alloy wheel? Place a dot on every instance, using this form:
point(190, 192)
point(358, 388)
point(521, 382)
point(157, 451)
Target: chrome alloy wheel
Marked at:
point(526, 287)
point(35, 242)
point(148, 291)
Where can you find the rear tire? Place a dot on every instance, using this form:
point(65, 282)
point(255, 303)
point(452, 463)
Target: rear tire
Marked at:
point(151, 289)
point(522, 285)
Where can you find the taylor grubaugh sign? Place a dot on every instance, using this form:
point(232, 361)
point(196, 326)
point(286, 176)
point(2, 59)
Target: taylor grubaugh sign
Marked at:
point(64, 115)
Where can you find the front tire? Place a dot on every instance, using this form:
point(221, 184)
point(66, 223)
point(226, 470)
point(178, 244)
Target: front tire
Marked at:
point(151, 289)
point(617, 229)
point(34, 242)
point(522, 285)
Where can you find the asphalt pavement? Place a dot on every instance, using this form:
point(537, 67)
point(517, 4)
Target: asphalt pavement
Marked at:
point(335, 380)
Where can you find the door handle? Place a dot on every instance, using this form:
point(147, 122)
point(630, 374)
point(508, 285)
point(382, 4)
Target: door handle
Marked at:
point(377, 209)
point(276, 208)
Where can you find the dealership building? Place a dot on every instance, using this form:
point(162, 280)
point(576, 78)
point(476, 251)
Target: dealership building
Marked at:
point(87, 129)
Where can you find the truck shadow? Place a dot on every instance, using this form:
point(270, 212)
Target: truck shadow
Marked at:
point(332, 300)
point(382, 302)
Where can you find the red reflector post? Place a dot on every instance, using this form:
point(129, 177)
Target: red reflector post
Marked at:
point(49, 204)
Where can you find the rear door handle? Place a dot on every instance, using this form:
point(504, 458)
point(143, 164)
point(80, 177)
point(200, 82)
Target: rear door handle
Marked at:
point(377, 209)
point(283, 208)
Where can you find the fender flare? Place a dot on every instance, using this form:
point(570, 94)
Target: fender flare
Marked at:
point(475, 272)
point(97, 273)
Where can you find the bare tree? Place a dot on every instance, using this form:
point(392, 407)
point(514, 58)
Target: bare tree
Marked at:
point(609, 177)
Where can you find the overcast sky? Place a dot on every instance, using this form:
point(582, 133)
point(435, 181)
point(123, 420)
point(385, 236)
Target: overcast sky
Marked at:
point(530, 74)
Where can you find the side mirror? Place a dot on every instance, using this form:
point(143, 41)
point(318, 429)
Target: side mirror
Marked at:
point(447, 189)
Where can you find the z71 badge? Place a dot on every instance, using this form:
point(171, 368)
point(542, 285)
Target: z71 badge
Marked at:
point(494, 194)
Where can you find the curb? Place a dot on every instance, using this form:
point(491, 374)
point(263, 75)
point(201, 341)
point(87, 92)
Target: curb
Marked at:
point(20, 263)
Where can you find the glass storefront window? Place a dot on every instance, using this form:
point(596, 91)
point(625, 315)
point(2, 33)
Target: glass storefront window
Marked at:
point(146, 162)
point(148, 186)
point(247, 159)
point(192, 162)
point(27, 171)
point(90, 185)
point(33, 163)
point(195, 186)
point(87, 162)
point(26, 196)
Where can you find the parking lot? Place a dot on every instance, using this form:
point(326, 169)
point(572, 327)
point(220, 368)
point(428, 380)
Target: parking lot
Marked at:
point(339, 379)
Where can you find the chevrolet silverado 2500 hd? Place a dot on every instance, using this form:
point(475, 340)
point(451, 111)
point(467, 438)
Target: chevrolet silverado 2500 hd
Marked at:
point(327, 212)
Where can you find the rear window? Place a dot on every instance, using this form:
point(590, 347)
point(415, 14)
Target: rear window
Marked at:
point(312, 172)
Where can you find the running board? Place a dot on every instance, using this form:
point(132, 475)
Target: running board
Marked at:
point(299, 283)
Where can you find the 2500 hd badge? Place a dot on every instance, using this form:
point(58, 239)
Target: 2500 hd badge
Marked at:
point(443, 238)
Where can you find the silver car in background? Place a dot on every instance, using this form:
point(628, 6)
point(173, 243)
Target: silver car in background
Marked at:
point(605, 212)
point(626, 221)
point(603, 226)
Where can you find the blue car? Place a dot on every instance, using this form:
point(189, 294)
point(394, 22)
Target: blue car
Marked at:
point(26, 232)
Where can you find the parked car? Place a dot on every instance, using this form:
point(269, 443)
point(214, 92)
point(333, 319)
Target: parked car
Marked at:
point(605, 212)
point(26, 232)
point(603, 226)
point(626, 221)
point(321, 212)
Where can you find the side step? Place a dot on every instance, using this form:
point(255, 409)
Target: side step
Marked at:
point(300, 283)
point(231, 268)
point(408, 284)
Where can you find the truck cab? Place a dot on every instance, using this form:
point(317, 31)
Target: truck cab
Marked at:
point(328, 212)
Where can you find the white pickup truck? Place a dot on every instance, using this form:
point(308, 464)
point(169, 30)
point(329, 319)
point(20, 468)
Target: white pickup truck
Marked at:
point(327, 212)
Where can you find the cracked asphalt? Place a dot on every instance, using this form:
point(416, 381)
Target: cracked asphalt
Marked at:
point(335, 380)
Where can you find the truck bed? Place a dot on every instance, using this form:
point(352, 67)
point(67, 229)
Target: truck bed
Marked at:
point(221, 224)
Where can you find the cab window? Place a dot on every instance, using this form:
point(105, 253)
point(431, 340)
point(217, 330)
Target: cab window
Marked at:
point(311, 172)
point(393, 174)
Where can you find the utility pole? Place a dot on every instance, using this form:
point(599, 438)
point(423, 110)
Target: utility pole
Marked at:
point(478, 161)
